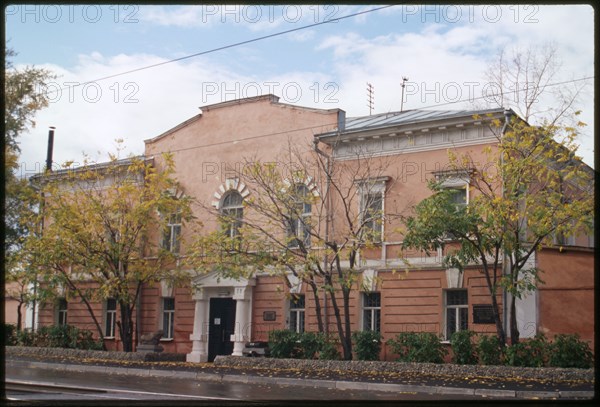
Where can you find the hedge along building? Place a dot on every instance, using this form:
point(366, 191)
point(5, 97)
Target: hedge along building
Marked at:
point(217, 315)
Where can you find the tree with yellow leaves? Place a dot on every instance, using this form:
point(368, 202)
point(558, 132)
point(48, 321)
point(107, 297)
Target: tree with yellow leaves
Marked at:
point(532, 192)
point(99, 237)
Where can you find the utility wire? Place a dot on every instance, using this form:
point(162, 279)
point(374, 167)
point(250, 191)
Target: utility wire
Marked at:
point(237, 44)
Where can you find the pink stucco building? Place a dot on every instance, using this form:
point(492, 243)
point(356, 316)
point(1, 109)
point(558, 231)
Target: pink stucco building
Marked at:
point(213, 315)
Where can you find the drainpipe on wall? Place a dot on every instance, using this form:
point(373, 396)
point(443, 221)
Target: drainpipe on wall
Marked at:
point(327, 208)
point(507, 116)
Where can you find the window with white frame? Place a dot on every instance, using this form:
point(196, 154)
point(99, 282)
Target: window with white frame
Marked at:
point(232, 212)
point(457, 183)
point(372, 194)
point(110, 318)
point(168, 317)
point(61, 311)
point(299, 218)
point(456, 307)
point(172, 233)
point(372, 311)
point(297, 312)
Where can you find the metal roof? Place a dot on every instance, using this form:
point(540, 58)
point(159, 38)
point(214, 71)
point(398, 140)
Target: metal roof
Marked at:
point(406, 117)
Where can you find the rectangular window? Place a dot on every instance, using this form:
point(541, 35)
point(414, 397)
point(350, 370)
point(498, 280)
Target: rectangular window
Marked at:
point(172, 233)
point(457, 312)
point(168, 319)
point(372, 312)
point(110, 318)
point(372, 215)
point(61, 312)
point(457, 183)
point(458, 196)
point(297, 309)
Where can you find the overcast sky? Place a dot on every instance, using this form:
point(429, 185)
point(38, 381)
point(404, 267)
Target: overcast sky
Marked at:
point(442, 50)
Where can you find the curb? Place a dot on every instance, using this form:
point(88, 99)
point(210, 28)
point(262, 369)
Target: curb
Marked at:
point(330, 384)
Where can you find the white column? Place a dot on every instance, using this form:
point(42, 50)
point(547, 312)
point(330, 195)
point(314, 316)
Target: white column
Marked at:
point(199, 337)
point(241, 335)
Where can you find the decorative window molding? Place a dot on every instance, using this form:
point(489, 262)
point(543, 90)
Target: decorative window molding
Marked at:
point(231, 184)
point(166, 288)
point(369, 280)
point(295, 284)
point(454, 278)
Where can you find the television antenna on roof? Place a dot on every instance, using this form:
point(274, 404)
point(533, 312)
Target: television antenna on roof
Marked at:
point(404, 79)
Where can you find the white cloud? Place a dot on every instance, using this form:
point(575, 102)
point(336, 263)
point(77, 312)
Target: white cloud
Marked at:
point(439, 60)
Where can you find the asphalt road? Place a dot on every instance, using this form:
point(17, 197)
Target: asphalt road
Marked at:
point(40, 384)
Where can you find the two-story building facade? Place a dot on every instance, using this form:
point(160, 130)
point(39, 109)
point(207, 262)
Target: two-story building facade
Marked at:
point(399, 290)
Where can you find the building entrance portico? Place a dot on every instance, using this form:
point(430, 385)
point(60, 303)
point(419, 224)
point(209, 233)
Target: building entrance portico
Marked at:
point(222, 317)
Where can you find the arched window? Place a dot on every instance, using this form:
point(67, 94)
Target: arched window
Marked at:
point(232, 212)
point(299, 227)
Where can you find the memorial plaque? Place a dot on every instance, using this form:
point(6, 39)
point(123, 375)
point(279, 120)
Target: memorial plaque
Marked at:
point(483, 314)
point(269, 316)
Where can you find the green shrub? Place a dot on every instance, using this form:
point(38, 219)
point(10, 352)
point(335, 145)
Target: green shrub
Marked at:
point(63, 336)
point(25, 337)
point(570, 351)
point(463, 350)
point(367, 344)
point(489, 350)
point(328, 347)
point(85, 340)
point(283, 343)
point(10, 334)
point(528, 353)
point(308, 346)
point(419, 347)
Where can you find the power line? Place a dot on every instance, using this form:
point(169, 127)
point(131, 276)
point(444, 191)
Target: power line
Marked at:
point(486, 96)
point(237, 44)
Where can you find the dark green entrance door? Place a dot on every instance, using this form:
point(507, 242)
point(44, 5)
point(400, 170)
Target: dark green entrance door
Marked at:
point(221, 327)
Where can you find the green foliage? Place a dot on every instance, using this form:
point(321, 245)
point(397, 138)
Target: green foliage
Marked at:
point(10, 334)
point(104, 221)
point(367, 344)
point(532, 188)
point(328, 347)
point(529, 353)
point(570, 351)
point(55, 336)
point(490, 351)
point(418, 347)
point(283, 343)
point(26, 337)
point(308, 346)
point(463, 349)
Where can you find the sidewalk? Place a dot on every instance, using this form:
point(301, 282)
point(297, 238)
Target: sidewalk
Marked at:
point(514, 388)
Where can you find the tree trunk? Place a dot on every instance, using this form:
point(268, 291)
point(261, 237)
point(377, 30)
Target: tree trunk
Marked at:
point(318, 311)
point(499, 328)
point(514, 328)
point(346, 343)
point(126, 327)
point(347, 326)
point(19, 316)
point(501, 334)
